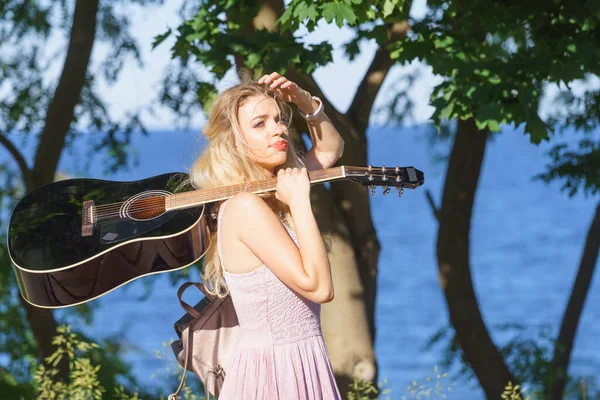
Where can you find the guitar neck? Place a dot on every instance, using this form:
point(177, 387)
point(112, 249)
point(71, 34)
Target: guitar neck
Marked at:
point(202, 196)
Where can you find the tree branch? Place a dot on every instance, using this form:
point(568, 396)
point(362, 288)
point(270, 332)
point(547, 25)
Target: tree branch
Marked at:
point(434, 208)
point(453, 255)
point(12, 149)
point(571, 317)
point(62, 107)
point(364, 98)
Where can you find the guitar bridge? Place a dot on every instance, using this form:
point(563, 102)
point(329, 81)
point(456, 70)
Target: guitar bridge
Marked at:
point(88, 218)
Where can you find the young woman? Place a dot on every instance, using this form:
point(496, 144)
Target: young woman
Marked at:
point(277, 275)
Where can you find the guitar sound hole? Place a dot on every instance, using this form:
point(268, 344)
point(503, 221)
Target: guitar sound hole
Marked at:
point(147, 208)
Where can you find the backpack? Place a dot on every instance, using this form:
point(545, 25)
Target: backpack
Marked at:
point(208, 334)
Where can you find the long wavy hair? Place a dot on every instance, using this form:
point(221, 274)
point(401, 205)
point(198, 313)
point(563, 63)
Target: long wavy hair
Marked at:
point(225, 161)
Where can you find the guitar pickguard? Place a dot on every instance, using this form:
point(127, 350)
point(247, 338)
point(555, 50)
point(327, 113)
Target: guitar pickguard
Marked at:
point(117, 231)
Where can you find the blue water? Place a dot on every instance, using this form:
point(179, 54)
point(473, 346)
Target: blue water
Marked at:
point(526, 241)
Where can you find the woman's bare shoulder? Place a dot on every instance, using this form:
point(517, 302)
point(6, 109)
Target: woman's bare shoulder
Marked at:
point(245, 201)
point(249, 209)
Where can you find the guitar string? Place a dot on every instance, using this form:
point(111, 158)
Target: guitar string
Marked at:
point(158, 202)
point(161, 200)
point(183, 197)
point(155, 203)
point(314, 175)
point(108, 213)
point(158, 199)
point(206, 193)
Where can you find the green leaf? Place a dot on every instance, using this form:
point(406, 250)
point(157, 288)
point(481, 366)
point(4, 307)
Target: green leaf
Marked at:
point(388, 7)
point(489, 112)
point(441, 43)
point(481, 124)
point(446, 112)
point(160, 38)
point(352, 49)
point(537, 130)
point(285, 17)
point(206, 93)
point(493, 125)
point(340, 12)
point(306, 10)
point(253, 60)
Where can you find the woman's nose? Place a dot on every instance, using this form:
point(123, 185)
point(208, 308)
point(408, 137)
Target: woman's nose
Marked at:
point(278, 130)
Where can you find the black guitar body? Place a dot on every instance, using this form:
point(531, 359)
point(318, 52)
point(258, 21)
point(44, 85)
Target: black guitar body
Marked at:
point(57, 266)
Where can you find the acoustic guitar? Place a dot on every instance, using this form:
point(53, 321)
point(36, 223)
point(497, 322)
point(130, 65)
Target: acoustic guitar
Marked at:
point(75, 240)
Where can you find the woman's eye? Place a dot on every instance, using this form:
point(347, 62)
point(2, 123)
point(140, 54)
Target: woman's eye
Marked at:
point(259, 124)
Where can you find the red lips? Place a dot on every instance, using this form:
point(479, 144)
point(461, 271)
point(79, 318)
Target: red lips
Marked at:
point(280, 145)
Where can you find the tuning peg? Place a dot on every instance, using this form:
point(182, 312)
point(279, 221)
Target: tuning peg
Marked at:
point(384, 178)
point(372, 188)
point(370, 178)
point(386, 190)
point(400, 191)
point(383, 169)
point(397, 170)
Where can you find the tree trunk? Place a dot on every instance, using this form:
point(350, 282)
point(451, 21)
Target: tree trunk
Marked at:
point(344, 324)
point(62, 107)
point(557, 379)
point(58, 120)
point(464, 168)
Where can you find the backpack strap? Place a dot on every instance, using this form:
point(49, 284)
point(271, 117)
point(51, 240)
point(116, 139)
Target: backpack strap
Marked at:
point(189, 309)
point(186, 346)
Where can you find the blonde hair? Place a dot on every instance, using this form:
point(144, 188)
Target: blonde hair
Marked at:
point(224, 161)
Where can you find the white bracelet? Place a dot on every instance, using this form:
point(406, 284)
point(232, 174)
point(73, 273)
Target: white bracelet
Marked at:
point(314, 115)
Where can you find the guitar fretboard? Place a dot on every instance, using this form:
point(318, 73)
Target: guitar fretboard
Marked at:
point(203, 196)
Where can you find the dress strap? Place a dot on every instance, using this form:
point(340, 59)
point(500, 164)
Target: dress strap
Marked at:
point(219, 217)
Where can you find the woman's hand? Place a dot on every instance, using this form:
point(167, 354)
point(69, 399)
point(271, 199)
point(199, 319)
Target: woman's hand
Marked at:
point(293, 186)
point(289, 91)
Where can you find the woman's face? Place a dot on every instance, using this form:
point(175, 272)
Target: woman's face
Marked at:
point(264, 131)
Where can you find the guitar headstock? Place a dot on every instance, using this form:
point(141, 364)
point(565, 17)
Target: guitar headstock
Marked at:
point(386, 177)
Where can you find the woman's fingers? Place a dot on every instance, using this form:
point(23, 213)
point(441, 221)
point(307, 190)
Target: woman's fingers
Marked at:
point(279, 81)
point(269, 78)
point(288, 90)
point(288, 84)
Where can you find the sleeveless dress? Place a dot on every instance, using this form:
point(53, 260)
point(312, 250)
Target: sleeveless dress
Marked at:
point(281, 353)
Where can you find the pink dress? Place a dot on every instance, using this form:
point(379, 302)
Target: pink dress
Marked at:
point(281, 353)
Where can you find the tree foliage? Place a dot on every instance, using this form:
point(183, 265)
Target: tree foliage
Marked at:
point(30, 70)
point(497, 59)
